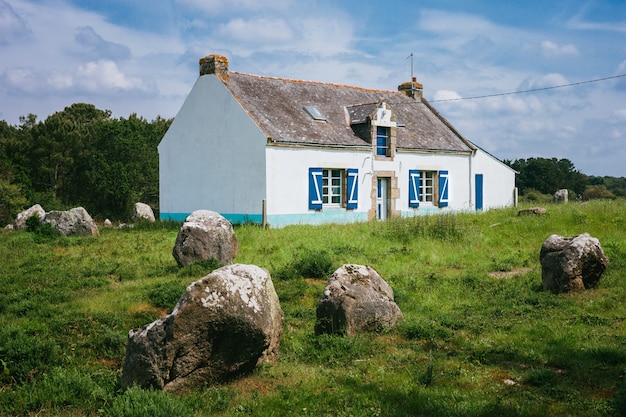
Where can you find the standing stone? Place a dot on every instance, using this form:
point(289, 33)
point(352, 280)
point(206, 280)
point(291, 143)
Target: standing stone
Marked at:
point(143, 211)
point(72, 222)
point(356, 300)
point(571, 263)
point(20, 220)
point(108, 223)
point(204, 235)
point(223, 326)
point(561, 196)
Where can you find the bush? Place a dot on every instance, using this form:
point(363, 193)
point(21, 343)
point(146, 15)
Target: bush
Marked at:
point(535, 196)
point(597, 192)
point(166, 294)
point(44, 231)
point(308, 264)
point(136, 402)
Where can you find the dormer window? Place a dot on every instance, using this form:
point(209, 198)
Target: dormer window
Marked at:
point(382, 140)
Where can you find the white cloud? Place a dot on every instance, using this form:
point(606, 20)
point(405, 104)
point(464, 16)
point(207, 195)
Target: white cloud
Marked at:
point(104, 75)
point(551, 49)
point(544, 81)
point(216, 7)
point(257, 31)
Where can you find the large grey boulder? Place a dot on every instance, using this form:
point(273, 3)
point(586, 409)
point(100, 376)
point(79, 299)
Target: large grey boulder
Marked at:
point(142, 211)
point(356, 300)
point(571, 263)
point(205, 234)
point(20, 220)
point(561, 196)
point(224, 325)
point(74, 222)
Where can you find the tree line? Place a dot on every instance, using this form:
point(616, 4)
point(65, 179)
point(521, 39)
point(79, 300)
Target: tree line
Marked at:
point(80, 156)
point(547, 175)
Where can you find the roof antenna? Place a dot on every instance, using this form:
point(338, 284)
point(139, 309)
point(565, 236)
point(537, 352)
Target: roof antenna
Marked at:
point(412, 78)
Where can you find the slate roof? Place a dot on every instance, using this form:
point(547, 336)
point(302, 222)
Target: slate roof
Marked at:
point(277, 106)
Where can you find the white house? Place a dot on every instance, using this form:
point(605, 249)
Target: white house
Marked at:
point(282, 151)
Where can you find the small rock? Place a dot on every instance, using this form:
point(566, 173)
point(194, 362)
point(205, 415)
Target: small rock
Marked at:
point(143, 211)
point(533, 211)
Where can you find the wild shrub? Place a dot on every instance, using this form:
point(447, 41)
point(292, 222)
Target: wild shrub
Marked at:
point(532, 195)
point(597, 192)
point(137, 402)
point(308, 263)
point(199, 268)
point(44, 231)
point(166, 294)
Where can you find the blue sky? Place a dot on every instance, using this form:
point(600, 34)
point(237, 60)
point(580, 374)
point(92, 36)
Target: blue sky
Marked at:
point(141, 56)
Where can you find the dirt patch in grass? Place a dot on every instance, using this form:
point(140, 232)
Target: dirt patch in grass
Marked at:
point(510, 274)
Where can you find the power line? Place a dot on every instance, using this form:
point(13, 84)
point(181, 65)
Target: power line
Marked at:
point(529, 91)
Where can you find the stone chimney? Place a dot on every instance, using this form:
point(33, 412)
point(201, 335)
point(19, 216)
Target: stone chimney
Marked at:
point(412, 89)
point(214, 64)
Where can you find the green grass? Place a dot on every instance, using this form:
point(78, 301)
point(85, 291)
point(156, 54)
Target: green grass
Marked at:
point(480, 337)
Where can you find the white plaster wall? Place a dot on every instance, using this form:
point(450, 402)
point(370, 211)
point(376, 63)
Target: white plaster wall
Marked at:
point(288, 176)
point(213, 155)
point(498, 180)
point(458, 183)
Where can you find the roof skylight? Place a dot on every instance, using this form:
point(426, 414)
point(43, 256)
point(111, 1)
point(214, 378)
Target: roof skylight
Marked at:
point(315, 113)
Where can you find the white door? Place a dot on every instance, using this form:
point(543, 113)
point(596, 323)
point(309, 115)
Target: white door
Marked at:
point(382, 198)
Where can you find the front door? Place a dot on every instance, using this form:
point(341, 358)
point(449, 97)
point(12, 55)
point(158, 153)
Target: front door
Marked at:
point(382, 198)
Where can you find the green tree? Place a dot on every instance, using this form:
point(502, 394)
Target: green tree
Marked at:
point(57, 144)
point(123, 167)
point(548, 175)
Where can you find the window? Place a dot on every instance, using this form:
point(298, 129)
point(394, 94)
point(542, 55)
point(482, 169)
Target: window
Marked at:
point(428, 187)
point(333, 187)
point(315, 113)
point(382, 141)
point(427, 182)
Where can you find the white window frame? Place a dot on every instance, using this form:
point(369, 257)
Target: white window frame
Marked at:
point(333, 180)
point(428, 184)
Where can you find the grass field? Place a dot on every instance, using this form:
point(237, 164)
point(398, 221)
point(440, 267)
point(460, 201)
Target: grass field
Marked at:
point(480, 337)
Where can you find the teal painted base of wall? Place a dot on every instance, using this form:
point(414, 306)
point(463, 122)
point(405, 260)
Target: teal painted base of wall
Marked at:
point(314, 218)
point(282, 220)
point(318, 217)
point(233, 218)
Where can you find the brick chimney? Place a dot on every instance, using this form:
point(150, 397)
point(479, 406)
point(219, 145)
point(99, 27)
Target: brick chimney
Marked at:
point(412, 89)
point(214, 64)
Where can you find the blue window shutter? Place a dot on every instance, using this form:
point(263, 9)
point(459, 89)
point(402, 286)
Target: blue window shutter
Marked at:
point(414, 188)
point(443, 188)
point(315, 188)
point(353, 189)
